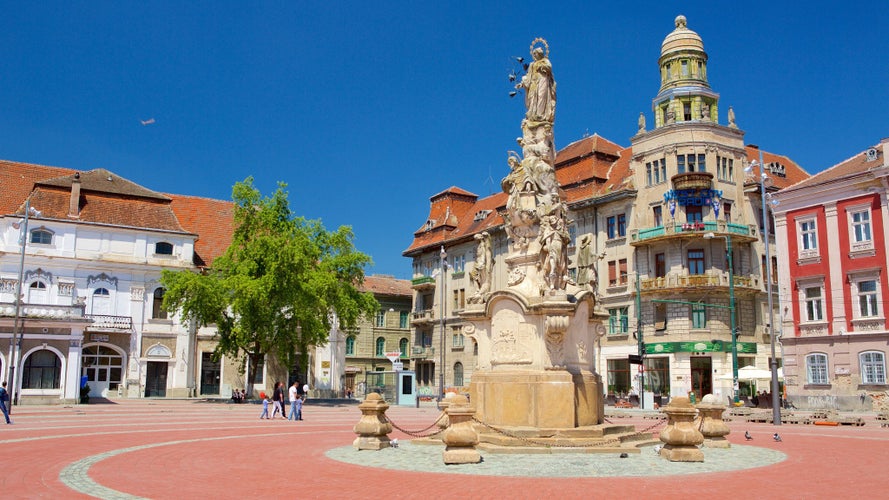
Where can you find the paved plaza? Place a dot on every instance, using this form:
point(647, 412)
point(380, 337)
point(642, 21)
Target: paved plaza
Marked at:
point(195, 449)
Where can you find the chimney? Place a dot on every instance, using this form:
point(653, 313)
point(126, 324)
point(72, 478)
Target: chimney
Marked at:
point(74, 205)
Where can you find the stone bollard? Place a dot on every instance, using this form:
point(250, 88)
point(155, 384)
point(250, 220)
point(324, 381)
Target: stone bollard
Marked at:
point(460, 437)
point(711, 424)
point(373, 429)
point(443, 405)
point(681, 437)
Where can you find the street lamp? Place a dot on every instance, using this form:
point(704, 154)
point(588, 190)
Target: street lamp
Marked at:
point(776, 401)
point(731, 298)
point(441, 341)
point(14, 347)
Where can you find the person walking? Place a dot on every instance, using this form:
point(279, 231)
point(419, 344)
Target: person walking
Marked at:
point(4, 398)
point(277, 399)
point(294, 397)
point(265, 409)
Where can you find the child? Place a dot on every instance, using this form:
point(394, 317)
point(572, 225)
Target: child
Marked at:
point(265, 409)
point(299, 409)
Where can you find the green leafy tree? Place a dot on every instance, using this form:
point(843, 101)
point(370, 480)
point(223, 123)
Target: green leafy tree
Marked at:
point(275, 287)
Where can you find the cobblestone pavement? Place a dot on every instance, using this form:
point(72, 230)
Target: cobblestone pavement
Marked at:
point(193, 449)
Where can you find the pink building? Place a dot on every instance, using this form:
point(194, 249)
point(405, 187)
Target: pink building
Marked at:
point(833, 284)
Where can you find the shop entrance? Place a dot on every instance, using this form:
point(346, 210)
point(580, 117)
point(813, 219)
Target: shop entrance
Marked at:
point(701, 376)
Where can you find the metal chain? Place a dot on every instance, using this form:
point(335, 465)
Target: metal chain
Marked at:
point(419, 433)
point(552, 445)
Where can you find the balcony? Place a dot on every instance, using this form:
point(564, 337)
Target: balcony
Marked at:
point(43, 311)
point(107, 323)
point(421, 317)
point(692, 180)
point(423, 283)
point(740, 233)
point(716, 281)
point(422, 352)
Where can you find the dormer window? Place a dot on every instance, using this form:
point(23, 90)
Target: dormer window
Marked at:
point(41, 237)
point(429, 224)
point(481, 215)
point(163, 248)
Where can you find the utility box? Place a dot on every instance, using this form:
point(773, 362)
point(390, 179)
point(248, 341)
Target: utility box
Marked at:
point(396, 387)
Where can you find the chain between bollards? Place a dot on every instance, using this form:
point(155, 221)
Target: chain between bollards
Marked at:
point(419, 433)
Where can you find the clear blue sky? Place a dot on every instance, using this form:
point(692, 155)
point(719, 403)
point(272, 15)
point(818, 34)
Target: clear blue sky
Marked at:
point(366, 109)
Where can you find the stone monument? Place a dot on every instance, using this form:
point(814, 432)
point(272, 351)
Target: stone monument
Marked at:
point(536, 335)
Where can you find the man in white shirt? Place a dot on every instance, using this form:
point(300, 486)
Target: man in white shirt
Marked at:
point(293, 397)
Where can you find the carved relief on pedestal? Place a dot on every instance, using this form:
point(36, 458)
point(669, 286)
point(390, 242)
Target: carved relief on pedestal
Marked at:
point(581, 352)
point(555, 327)
point(516, 275)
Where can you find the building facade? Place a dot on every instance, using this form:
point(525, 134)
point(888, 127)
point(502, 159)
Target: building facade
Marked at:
point(88, 262)
point(652, 225)
point(832, 282)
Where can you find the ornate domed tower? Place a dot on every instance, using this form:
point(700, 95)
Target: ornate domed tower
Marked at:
point(685, 94)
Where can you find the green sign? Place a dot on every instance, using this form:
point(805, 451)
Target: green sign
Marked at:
point(702, 346)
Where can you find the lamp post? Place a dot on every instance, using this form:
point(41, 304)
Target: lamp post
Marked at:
point(731, 299)
point(441, 341)
point(773, 365)
point(14, 350)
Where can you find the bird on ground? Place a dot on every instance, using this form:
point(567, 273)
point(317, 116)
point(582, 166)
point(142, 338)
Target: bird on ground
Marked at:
point(147, 122)
point(747, 435)
point(624, 455)
point(657, 449)
point(776, 437)
point(394, 443)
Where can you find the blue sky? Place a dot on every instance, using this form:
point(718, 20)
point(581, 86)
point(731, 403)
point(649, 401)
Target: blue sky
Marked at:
point(366, 109)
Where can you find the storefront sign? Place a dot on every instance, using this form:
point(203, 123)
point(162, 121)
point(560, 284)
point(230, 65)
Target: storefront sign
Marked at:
point(95, 337)
point(715, 346)
point(694, 197)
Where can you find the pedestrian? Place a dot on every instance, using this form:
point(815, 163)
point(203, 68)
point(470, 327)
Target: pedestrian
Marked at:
point(4, 398)
point(276, 400)
point(294, 397)
point(281, 401)
point(299, 409)
point(265, 409)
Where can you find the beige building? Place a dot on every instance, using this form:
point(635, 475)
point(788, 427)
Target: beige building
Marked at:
point(650, 229)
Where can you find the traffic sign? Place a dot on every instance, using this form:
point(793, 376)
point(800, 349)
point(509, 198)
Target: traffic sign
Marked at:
point(393, 356)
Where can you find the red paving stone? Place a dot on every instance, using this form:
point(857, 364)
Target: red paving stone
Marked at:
point(260, 458)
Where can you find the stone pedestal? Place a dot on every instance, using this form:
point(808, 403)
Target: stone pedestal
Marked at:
point(681, 437)
point(460, 438)
point(373, 428)
point(712, 426)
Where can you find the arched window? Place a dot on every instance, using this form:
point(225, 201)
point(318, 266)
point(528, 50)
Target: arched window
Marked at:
point(458, 374)
point(816, 369)
point(157, 310)
point(42, 370)
point(350, 345)
point(41, 237)
point(37, 293)
point(101, 304)
point(402, 346)
point(163, 248)
point(873, 367)
point(381, 346)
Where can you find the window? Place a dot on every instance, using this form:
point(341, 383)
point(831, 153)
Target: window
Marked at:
point(41, 237)
point(163, 248)
point(873, 367)
point(696, 262)
point(698, 316)
point(648, 176)
point(725, 168)
point(813, 304)
point(403, 319)
point(658, 214)
point(660, 265)
point(457, 338)
point(727, 211)
point(37, 293)
point(612, 272)
point(350, 345)
point(694, 213)
point(680, 164)
point(656, 172)
point(860, 226)
point(612, 226)
point(381, 347)
point(157, 305)
point(618, 376)
point(686, 107)
point(622, 265)
point(460, 298)
point(101, 303)
point(42, 370)
point(572, 234)
point(622, 225)
point(381, 318)
point(257, 361)
point(402, 347)
point(458, 263)
point(816, 369)
point(660, 316)
point(657, 375)
point(663, 176)
point(458, 374)
point(808, 238)
point(618, 321)
point(867, 299)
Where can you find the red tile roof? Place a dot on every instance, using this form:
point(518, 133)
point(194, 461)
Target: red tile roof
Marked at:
point(212, 220)
point(381, 284)
point(857, 164)
point(793, 172)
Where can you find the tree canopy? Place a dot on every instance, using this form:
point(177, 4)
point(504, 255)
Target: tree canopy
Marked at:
point(275, 287)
